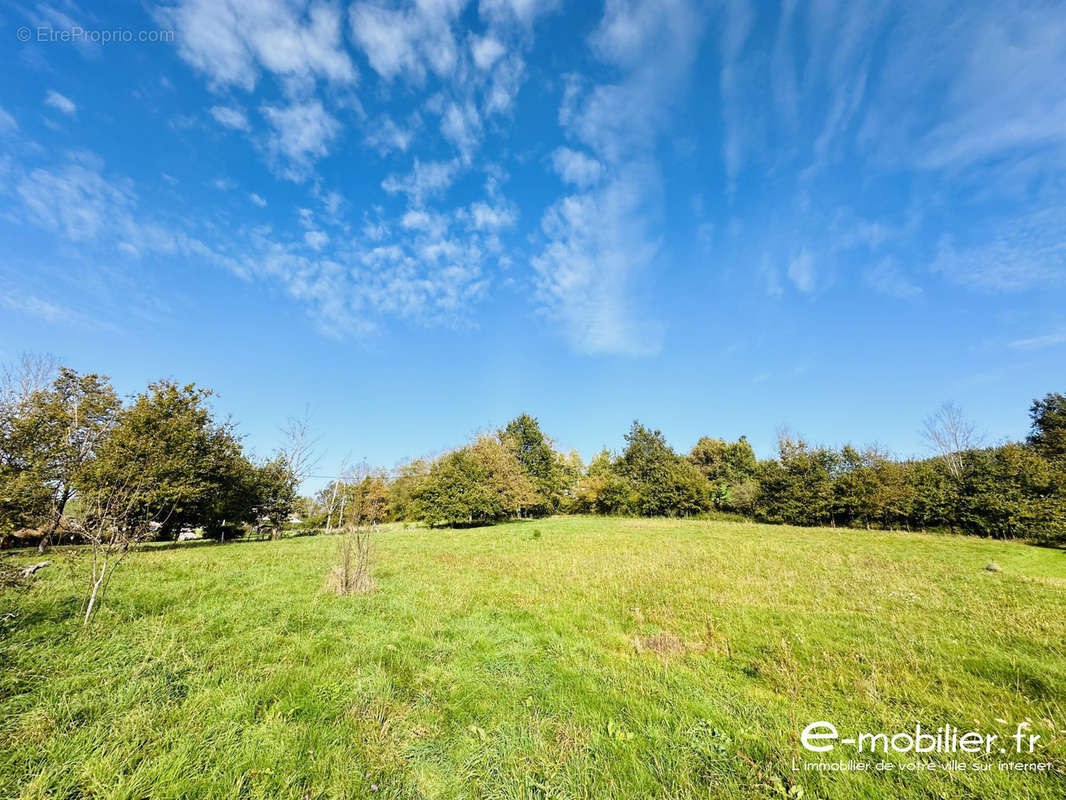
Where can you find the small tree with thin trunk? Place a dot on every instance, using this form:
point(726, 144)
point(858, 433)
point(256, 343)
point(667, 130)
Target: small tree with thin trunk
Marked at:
point(147, 473)
point(112, 522)
point(333, 497)
point(300, 455)
point(351, 573)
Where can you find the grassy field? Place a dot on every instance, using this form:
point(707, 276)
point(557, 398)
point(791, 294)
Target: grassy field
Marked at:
point(563, 658)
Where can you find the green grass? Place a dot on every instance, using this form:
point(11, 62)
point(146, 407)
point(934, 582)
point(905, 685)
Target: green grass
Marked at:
point(508, 662)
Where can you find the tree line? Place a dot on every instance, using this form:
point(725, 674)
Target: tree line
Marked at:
point(1013, 490)
point(77, 461)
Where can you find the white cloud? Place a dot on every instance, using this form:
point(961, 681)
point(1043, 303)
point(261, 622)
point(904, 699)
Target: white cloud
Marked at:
point(783, 67)
point(316, 240)
point(231, 41)
point(302, 134)
point(1005, 93)
point(13, 300)
point(576, 167)
point(601, 241)
point(1017, 254)
point(385, 136)
point(331, 201)
point(967, 84)
point(426, 179)
point(801, 271)
point(487, 50)
point(60, 103)
point(7, 122)
point(506, 80)
point(230, 117)
point(407, 41)
point(420, 220)
point(74, 200)
point(348, 289)
point(346, 285)
point(522, 11)
point(887, 278)
point(1040, 342)
point(738, 25)
point(77, 202)
point(259, 201)
point(461, 125)
point(485, 217)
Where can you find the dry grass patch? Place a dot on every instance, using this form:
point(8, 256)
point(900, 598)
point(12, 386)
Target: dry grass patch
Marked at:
point(665, 644)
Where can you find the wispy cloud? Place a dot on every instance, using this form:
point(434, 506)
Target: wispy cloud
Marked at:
point(17, 301)
point(407, 42)
point(230, 117)
point(75, 199)
point(1039, 342)
point(576, 167)
point(233, 41)
point(425, 180)
point(302, 133)
point(801, 271)
point(739, 19)
point(601, 240)
point(7, 122)
point(60, 103)
point(887, 278)
point(385, 135)
point(1017, 254)
point(14, 300)
point(598, 243)
point(429, 274)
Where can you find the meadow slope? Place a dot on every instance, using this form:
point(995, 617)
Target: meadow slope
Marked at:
point(561, 658)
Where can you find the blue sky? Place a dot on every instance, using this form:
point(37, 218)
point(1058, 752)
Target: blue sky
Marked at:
point(417, 220)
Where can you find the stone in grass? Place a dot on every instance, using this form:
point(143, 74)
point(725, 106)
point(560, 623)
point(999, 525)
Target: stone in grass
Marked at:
point(992, 566)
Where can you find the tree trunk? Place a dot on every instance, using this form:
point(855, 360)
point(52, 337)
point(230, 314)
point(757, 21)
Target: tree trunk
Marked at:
point(92, 596)
point(54, 525)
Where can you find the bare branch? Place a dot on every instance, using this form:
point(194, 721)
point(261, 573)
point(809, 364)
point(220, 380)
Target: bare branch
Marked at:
point(300, 451)
point(31, 372)
point(949, 434)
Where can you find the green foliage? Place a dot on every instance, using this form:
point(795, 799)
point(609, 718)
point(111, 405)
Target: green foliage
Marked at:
point(275, 494)
point(68, 446)
point(47, 442)
point(477, 484)
point(187, 468)
point(1048, 435)
point(665, 484)
point(1012, 491)
point(603, 490)
point(364, 502)
point(405, 487)
point(725, 465)
point(798, 487)
point(544, 467)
